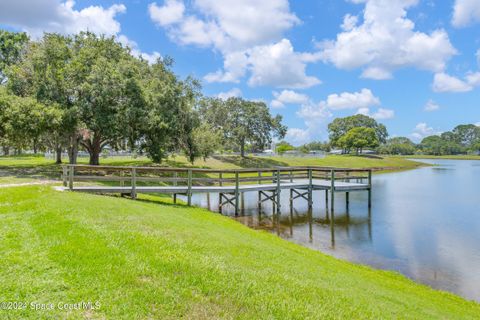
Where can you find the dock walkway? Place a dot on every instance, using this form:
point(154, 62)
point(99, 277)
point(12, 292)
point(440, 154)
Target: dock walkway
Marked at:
point(229, 184)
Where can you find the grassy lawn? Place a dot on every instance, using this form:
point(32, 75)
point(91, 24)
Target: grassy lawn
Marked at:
point(146, 260)
point(459, 157)
point(18, 169)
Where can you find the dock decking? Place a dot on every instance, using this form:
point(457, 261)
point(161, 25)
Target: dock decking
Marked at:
point(229, 184)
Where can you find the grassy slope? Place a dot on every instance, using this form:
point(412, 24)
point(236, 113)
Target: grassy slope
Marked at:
point(451, 157)
point(150, 260)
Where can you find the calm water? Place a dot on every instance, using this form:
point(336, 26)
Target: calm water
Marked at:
point(425, 223)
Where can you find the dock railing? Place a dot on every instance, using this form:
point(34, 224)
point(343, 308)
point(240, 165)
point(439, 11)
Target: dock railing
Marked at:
point(129, 180)
point(193, 176)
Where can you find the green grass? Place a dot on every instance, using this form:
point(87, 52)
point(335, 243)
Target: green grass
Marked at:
point(17, 169)
point(451, 157)
point(145, 260)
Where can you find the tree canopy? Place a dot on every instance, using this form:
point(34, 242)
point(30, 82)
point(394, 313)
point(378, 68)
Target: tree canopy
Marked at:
point(243, 122)
point(95, 94)
point(339, 127)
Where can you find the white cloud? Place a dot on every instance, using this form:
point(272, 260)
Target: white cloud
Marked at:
point(276, 65)
point(251, 42)
point(477, 124)
point(315, 116)
point(431, 106)
point(298, 136)
point(422, 130)
point(473, 78)
point(235, 92)
point(381, 114)
point(465, 12)
point(386, 41)
point(170, 13)
point(346, 100)
point(349, 22)
point(443, 82)
point(35, 17)
point(288, 97)
point(135, 50)
point(221, 23)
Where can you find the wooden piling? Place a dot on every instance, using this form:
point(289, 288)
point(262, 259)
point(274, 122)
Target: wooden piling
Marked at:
point(310, 189)
point(369, 189)
point(65, 175)
point(134, 184)
point(189, 190)
point(237, 185)
point(71, 172)
point(278, 192)
point(332, 190)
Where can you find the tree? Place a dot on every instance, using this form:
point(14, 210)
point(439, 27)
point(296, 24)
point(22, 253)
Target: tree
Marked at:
point(283, 147)
point(171, 117)
point(25, 121)
point(243, 122)
point(340, 126)
point(315, 146)
point(12, 45)
point(435, 145)
point(44, 74)
point(398, 146)
point(359, 138)
point(466, 134)
point(205, 141)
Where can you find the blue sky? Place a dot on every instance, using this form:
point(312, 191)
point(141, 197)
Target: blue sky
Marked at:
point(412, 64)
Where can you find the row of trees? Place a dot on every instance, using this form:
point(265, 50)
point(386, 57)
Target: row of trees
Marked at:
point(88, 92)
point(355, 133)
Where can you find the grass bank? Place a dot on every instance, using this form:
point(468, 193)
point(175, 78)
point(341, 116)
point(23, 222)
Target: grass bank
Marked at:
point(148, 260)
point(27, 168)
point(450, 157)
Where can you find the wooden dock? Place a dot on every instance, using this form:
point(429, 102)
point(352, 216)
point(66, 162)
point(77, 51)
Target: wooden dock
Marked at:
point(229, 184)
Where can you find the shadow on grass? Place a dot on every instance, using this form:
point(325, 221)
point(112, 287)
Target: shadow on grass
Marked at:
point(251, 162)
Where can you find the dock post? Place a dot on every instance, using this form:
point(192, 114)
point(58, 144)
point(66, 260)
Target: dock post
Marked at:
point(326, 199)
point(220, 183)
point(71, 172)
point(122, 178)
point(369, 188)
point(278, 192)
point(189, 191)
point(175, 177)
point(291, 176)
point(220, 198)
point(332, 190)
point(310, 189)
point(65, 175)
point(237, 182)
point(259, 203)
point(134, 184)
point(291, 212)
point(347, 199)
point(259, 177)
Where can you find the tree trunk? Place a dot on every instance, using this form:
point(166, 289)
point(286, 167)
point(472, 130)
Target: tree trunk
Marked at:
point(73, 149)
point(94, 158)
point(242, 149)
point(94, 147)
point(58, 152)
point(6, 150)
point(35, 146)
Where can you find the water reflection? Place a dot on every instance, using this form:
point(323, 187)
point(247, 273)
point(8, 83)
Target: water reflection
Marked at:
point(424, 223)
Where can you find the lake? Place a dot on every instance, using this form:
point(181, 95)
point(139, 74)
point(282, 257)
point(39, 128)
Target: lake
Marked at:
point(424, 223)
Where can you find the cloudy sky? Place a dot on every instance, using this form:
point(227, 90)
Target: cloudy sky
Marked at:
point(412, 64)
